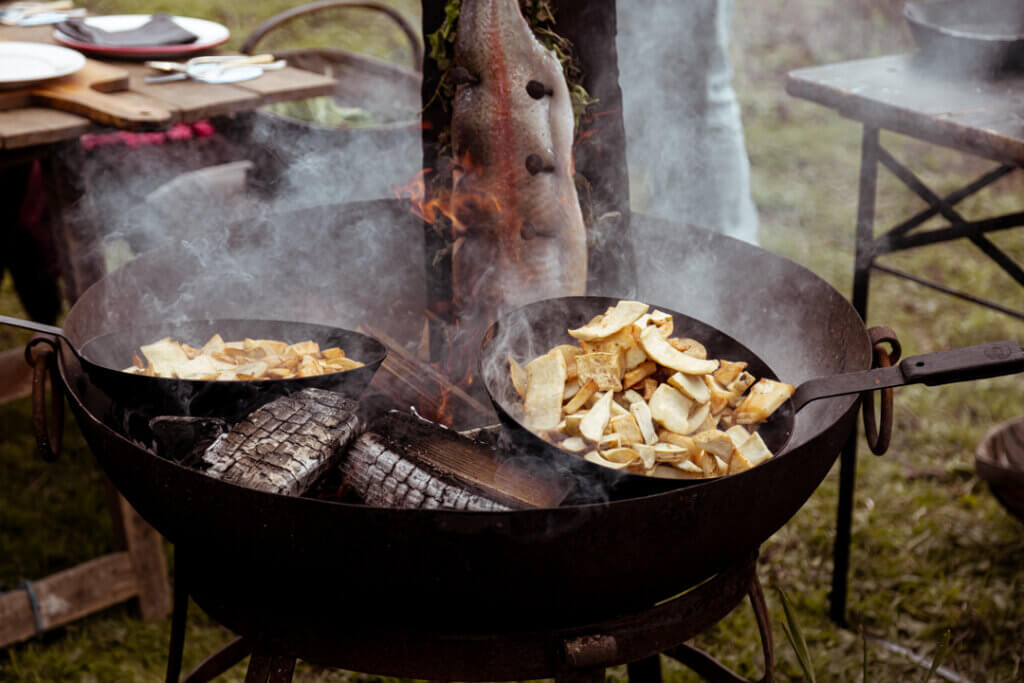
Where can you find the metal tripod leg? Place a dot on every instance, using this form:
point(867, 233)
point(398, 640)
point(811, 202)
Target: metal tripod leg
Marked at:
point(861, 276)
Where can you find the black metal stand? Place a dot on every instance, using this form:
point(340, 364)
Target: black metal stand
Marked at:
point(899, 238)
point(566, 654)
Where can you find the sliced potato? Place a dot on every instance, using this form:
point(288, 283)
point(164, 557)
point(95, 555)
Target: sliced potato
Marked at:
point(716, 442)
point(663, 353)
point(627, 428)
point(569, 352)
point(592, 426)
point(595, 457)
point(624, 313)
point(518, 376)
point(545, 382)
point(764, 398)
point(644, 420)
point(754, 450)
point(671, 409)
point(604, 368)
point(693, 386)
point(741, 383)
point(582, 396)
point(574, 444)
point(728, 371)
point(642, 371)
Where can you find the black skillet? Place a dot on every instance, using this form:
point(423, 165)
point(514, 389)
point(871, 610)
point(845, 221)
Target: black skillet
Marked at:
point(104, 357)
point(535, 328)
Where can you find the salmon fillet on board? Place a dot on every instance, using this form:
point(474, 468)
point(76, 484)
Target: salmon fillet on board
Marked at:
point(520, 232)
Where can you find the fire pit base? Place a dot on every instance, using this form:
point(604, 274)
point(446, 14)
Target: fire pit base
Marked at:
point(571, 653)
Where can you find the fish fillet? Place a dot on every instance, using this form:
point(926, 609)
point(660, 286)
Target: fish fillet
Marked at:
point(520, 232)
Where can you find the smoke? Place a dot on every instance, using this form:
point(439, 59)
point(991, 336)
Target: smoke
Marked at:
point(685, 144)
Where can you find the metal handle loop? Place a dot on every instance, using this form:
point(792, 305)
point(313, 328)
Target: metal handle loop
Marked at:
point(43, 362)
point(878, 439)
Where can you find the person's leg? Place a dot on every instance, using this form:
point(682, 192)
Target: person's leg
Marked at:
point(686, 150)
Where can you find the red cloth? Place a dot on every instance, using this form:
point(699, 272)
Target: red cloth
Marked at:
point(180, 131)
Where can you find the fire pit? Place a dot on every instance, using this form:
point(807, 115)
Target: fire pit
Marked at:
point(309, 560)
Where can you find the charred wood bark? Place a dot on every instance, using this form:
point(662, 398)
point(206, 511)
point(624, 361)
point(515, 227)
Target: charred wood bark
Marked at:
point(183, 439)
point(385, 478)
point(287, 444)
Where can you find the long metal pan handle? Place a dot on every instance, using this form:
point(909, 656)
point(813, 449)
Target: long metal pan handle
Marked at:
point(943, 367)
point(34, 326)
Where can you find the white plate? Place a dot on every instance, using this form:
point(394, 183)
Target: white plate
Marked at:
point(208, 34)
point(23, 64)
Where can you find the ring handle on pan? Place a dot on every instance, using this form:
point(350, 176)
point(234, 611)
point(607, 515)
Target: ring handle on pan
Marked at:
point(878, 439)
point(41, 354)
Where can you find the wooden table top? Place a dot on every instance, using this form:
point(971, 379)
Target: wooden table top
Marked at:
point(185, 101)
point(983, 117)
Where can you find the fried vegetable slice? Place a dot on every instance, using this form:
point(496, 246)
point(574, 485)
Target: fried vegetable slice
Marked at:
point(716, 442)
point(764, 398)
point(627, 428)
point(165, 356)
point(693, 386)
point(518, 376)
point(663, 353)
point(671, 409)
point(593, 424)
point(595, 457)
point(601, 367)
point(644, 420)
point(581, 397)
point(728, 371)
point(754, 450)
point(624, 313)
point(545, 382)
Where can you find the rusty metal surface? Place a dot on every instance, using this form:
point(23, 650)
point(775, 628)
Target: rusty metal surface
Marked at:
point(900, 93)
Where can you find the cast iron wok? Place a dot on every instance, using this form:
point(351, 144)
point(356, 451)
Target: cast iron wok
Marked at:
point(303, 569)
point(532, 330)
point(103, 357)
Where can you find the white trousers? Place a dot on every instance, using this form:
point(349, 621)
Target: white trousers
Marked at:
point(687, 156)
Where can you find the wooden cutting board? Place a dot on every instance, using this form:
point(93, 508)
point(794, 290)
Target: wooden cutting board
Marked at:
point(88, 92)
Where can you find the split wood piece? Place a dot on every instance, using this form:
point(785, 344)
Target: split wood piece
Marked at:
point(468, 464)
point(382, 477)
point(404, 378)
point(66, 596)
point(285, 445)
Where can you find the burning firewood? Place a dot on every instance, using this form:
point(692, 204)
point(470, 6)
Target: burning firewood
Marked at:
point(405, 462)
point(284, 446)
point(384, 478)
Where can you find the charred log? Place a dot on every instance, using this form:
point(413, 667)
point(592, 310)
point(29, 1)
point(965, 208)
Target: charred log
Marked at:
point(382, 477)
point(287, 444)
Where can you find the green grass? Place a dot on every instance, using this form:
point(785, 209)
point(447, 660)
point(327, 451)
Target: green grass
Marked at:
point(932, 550)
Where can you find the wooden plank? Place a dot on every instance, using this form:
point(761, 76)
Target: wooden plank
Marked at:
point(39, 126)
point(289, 84)
point(896, 93)
point(146, 549)
point(68, 595)
point(191, 100)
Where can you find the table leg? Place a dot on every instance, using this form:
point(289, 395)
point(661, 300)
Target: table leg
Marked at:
point(865, 254)
point(75, 228)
